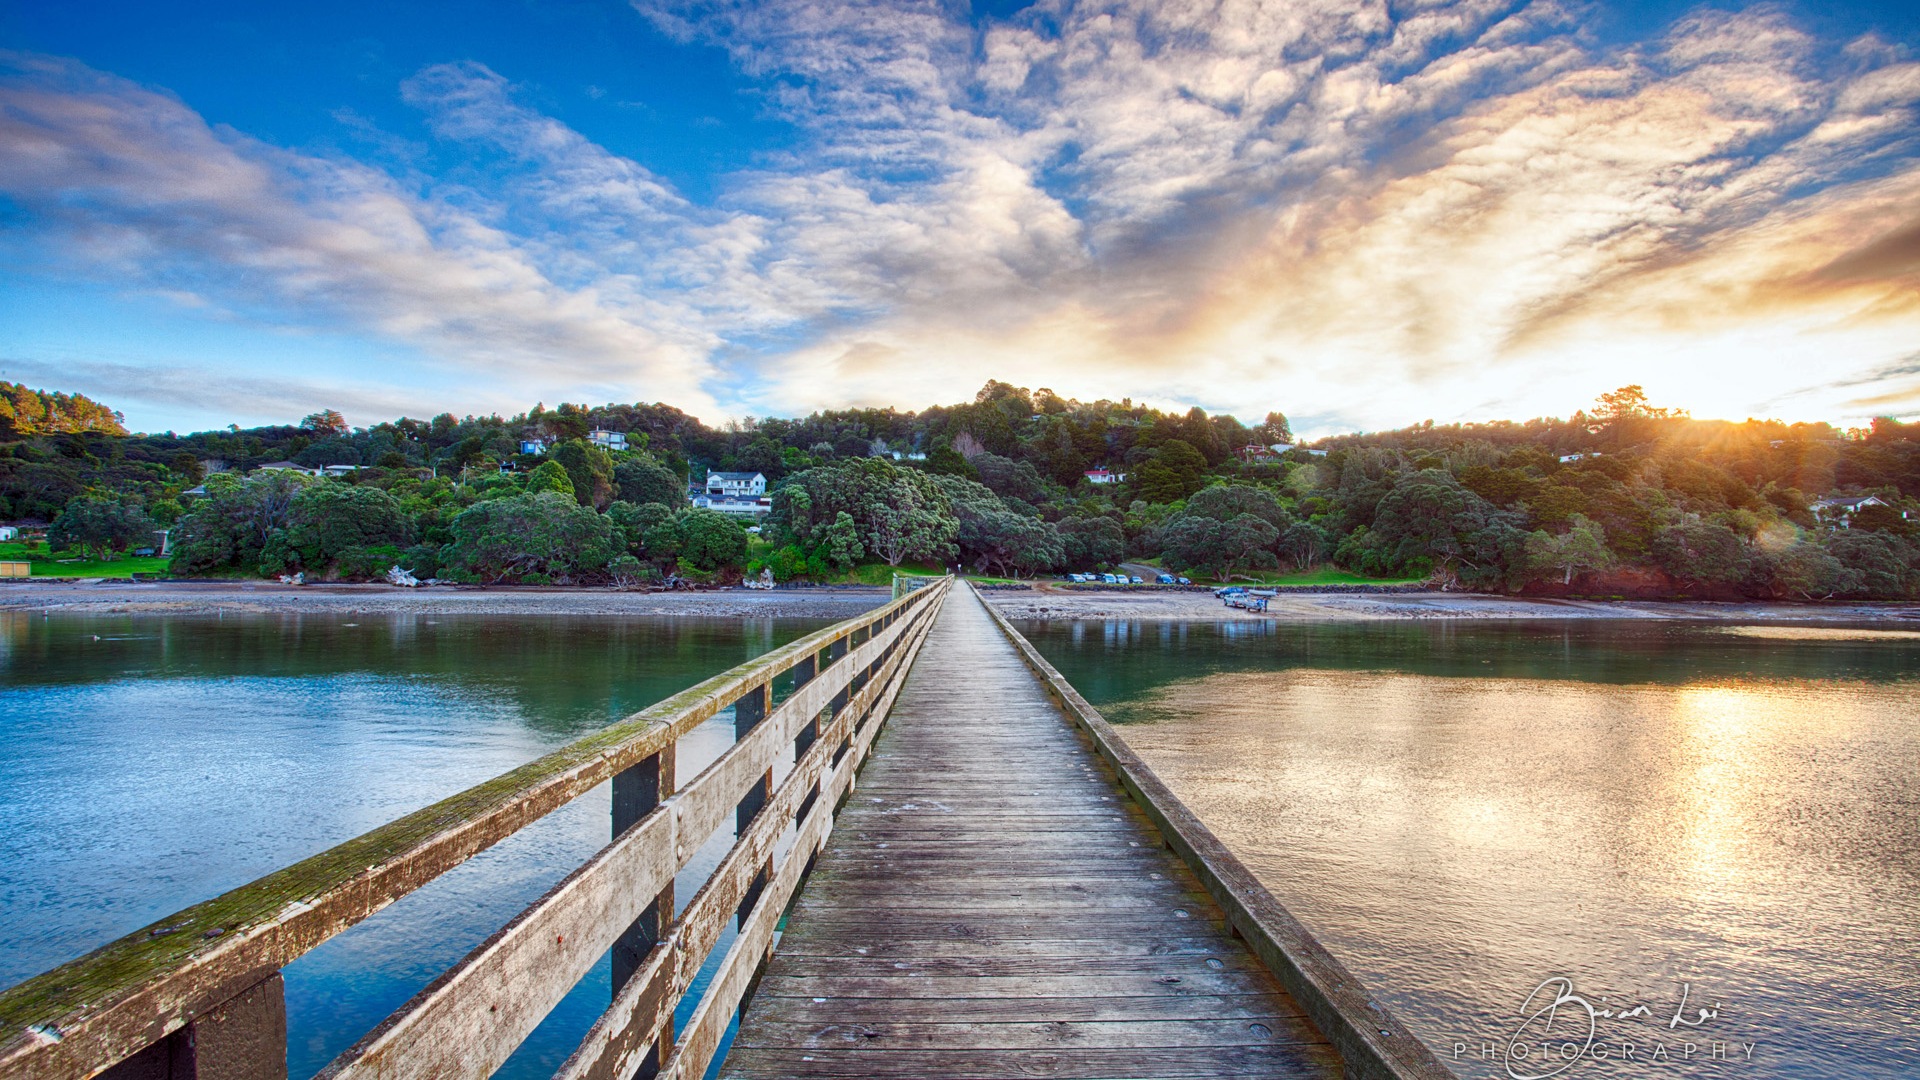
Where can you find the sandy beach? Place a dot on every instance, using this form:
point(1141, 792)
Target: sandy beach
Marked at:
point(266, 597)
point(1050, 603)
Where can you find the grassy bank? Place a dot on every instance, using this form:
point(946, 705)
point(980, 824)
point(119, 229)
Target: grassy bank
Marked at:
point(47, 564)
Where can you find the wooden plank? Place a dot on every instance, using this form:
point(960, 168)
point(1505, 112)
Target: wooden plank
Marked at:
point(1018, 1035)
point(1149, 983)
point(1278, 1059)
point(1023, 1010)
point(1022, 967)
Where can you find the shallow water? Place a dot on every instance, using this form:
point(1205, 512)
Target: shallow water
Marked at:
point(1465, 812)
point(150, 762)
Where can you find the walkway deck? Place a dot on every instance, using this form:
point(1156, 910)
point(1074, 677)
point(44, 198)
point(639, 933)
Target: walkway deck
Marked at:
point(989, 905)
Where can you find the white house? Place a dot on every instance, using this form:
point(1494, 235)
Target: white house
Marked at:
point(533, 446)
point(341, 470)
point(611, 440)
point(1840, 511)
point(738, 506)
point(8, 532)
point(736, 485)
point(1103, 475)
point(288, 466)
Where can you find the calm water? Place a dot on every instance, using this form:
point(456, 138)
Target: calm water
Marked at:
point(151, 762)
point(1465, 811)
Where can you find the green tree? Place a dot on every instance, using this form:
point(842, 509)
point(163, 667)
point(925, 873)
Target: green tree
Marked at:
point(1218, 548)
point(1092, 542)
point(1888, 565)
point(844, 548)
point(327, 519)
point(642, 479)
point(1703, 553)
point(589, 467)
point(1807, 571)
point(550, 476)
point(326, 423)
point(1581, 548)
point(1274, 430)
point(1306, 543)
point(711, 540)
point(99, 527)
point(1174, 471)
point(537, 537)
point(233, 523)
point(1429, 519)
point(901, 513)
point(1228, 501)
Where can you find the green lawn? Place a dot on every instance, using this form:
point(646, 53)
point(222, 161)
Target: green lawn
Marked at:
point(49, 564)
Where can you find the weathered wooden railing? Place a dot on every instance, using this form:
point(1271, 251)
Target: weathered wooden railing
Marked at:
point(906, 583)
point(199, 994)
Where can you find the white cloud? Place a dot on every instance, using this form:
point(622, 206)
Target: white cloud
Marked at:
point(1364, 211)
point(142, 190)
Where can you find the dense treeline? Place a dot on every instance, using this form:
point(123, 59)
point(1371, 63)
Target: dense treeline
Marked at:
point(1626, 497)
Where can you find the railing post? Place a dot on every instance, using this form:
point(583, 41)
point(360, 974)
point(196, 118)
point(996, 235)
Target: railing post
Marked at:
point(748, 711)
point(243, 1039)
point(637, 791)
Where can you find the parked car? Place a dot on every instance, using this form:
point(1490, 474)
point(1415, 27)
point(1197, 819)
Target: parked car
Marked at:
point(1184, 581)
point(1164, 579)
point(1135, 580)
point(1225, 591)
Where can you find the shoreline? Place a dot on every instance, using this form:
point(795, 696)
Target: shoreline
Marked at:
point(841, 602)
point(1352, 606)
point(273, 598)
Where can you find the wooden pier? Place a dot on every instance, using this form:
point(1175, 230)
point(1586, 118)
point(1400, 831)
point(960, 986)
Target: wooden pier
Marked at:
point(976, 879)
point(991, 905)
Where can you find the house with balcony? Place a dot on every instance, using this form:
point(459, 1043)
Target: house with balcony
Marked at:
point(736, 485)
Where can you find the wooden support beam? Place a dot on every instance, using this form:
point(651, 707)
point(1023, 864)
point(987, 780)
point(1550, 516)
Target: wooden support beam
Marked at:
point(244, 1038)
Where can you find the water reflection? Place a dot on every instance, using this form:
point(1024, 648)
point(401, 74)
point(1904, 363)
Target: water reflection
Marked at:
point(150, 762)
point(1465, 811)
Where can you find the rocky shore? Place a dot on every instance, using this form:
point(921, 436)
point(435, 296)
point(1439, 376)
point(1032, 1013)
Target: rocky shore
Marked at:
point(265, 597)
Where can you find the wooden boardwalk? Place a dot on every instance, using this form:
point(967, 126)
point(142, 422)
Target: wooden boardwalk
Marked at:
point(990, 905)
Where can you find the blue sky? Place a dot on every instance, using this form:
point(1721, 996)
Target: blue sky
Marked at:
point(1361, 213)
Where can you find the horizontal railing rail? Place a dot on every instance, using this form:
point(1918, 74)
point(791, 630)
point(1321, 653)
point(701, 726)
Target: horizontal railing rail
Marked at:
point(203, 987)
point(1371, 1043)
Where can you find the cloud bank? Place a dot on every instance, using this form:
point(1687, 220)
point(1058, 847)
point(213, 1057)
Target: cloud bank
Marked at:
point(1360, 213)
